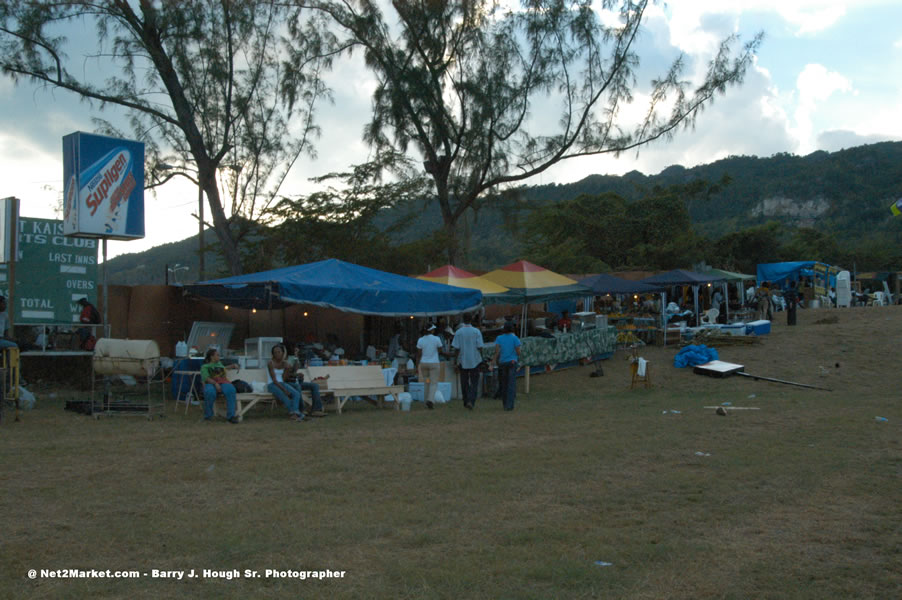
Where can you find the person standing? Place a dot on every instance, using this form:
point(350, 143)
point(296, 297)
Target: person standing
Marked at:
point(763, 294)
point(467, 341)
point(791, 296)
point(717, 301)
point(507, 355)
point(564, 323)
point(429, 363)
point(89, 316)
point(4, 317)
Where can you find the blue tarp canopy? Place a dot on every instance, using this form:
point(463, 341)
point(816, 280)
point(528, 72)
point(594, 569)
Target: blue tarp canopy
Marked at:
point(609, 284)
point(680, 277)
point(781, 272)
point(344, 286)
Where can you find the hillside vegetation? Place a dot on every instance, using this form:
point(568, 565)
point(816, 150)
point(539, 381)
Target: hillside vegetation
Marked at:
point(824, 206)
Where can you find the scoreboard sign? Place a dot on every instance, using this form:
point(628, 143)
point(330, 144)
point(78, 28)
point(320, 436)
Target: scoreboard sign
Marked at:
point(52, 272)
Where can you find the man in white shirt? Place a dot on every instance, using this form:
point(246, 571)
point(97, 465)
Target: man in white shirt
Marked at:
point(429, 363)
point(467, 341)
point(717, 301)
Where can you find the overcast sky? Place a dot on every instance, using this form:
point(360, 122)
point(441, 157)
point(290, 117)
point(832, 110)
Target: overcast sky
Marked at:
point(826, 78)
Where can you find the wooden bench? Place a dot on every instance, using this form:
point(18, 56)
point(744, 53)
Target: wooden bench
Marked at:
point(341, 383)
point(345, 382)
point(248, 400)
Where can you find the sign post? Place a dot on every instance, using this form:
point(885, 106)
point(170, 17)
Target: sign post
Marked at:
point(104, 193)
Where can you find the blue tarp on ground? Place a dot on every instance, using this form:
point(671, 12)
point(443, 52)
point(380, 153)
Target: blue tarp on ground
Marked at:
point(344, 286)
point(692, 356)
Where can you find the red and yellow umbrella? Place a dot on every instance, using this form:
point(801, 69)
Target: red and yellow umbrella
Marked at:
point(531, 283)
point(450, 275)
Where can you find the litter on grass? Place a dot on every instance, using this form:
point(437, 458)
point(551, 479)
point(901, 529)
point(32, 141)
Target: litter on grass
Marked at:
point(602, 563)
point(700, 453)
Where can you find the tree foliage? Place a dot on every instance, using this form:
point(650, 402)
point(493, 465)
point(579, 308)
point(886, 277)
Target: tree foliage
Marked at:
point(339, 221)
point(460, 82)
point(210, 86)
point(653, 232)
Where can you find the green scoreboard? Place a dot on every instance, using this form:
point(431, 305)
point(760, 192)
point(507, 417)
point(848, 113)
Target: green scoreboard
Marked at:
point(52, 272)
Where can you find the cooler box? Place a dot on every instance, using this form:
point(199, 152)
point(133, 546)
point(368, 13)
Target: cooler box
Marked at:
point(416, 390)
point(734, 329)
point(757, 327)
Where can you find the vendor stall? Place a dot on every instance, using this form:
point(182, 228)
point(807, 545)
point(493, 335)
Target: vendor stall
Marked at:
point(562, 350)
point(531, 284)
point(680, 277)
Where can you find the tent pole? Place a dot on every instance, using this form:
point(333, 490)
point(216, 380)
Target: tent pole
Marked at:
point(695, 297)
point(726, 302)
point(664, 315)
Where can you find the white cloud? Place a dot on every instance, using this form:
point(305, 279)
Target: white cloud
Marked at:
point(897, 43)
point(697, 26)
point(815, 84)
point(811, 17)
point(746, 121)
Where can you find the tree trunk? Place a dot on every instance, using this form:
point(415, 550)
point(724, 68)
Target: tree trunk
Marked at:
point(453, 247)
point(221, 226)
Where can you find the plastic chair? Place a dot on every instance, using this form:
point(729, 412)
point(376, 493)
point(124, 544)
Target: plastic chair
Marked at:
point(710, 316)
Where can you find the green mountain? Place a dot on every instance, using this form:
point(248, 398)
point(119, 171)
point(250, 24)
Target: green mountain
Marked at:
point(845, 193)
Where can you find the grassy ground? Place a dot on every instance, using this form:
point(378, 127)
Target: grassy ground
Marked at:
point(799, 499)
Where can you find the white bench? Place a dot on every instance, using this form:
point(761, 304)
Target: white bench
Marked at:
point(345, 382)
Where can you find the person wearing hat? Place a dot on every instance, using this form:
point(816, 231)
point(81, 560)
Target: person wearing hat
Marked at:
point(429, 363)
point(89, 316)
point(507, 355)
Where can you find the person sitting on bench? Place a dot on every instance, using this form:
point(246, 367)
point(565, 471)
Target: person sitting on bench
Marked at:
point(289, 396)
point(212, 373)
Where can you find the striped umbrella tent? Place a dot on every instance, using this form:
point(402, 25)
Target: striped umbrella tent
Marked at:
point(528, 283)
point(450, 275)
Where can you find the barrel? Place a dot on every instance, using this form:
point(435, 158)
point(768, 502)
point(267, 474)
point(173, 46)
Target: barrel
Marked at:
point(126, 357)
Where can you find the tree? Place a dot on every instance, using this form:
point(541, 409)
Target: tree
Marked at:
point(460, 81)
point(743, 250)
point(207, 84)
point(338, 222)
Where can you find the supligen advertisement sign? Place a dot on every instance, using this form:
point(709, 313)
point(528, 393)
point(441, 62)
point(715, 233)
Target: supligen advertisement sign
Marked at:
point(103, 187)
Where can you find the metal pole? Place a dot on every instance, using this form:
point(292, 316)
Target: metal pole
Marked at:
point(106, 296)
point(804, 385)
point(13, 259)
point(200, 227)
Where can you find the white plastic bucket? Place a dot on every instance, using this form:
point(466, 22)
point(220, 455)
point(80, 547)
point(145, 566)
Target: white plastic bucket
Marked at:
point(405, 399)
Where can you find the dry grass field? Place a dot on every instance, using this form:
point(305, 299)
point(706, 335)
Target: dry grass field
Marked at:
point(799, 499)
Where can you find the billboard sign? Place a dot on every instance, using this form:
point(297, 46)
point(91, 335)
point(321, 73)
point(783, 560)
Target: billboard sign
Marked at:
point(103, 180)
point(52, 272)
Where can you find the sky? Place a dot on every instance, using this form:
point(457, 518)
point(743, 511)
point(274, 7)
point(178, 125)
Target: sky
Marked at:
point(825, 78)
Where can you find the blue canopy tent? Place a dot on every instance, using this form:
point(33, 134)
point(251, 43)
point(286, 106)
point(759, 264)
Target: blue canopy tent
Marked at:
point(783, 272)
point(609, 284)
point(340, 285)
